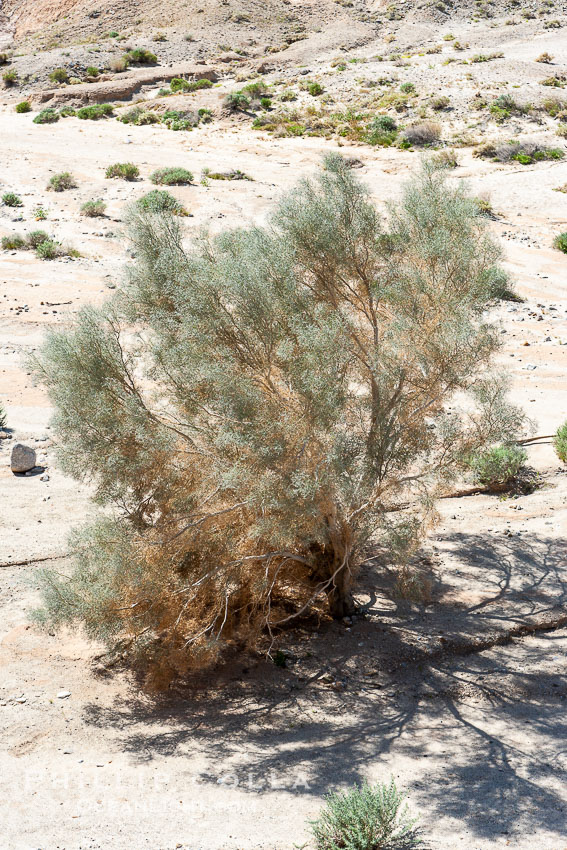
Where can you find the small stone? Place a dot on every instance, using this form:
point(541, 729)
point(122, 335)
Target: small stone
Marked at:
point(63, 694)
point(23, 458)
point(44, 477)
point(21, 699)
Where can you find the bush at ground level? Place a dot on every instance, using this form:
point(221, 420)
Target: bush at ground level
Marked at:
point(93, 113)
point(497, 467)
point(171, 176)
point(93, 209)
point(23, 106)
point(46, 116)
point(10, 199)
point(124, 170)
point(160, 201)
point(365, 818)
point(560, 442)
point(560, 242)
point(61, 182)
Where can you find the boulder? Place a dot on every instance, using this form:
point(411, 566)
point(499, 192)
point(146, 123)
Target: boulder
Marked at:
point(23, 458)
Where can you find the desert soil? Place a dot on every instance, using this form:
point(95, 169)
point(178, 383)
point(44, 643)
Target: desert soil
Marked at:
point(454, 698)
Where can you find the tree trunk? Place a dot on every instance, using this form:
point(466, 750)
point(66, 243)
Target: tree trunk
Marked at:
point(334, 567)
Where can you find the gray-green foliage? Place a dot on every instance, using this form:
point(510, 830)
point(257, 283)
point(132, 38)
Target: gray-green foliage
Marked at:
point(3, 417)
point(560, 442)
point(498, 466)
point(254, 405)
point(365, 818)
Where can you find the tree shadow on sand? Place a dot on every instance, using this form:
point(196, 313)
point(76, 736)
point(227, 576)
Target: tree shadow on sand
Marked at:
point(481, 734)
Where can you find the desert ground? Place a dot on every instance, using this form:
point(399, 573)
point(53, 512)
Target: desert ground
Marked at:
point(461, 697)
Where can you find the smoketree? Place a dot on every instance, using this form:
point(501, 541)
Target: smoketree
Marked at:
point(251, 410)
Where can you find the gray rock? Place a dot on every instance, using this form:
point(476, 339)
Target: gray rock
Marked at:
point(23, 458)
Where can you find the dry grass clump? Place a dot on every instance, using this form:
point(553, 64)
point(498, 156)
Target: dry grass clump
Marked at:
point(422, 134)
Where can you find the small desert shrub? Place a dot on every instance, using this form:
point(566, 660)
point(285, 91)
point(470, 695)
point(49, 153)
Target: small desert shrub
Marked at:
point(159, 201)
point(123, 170)
point(93, 209)
point(46, 116)
point(59, 75)
point(446, 159)
point(3, 58)
point(498, 467)
point(67, 112)
point(554, 106)
point(92, 71)
point(148, 116)
point(440, 103)
point(560, 242)
point(525, 153)
point(40, 214)
point(118, 64)
point(131, 116)
point(407, 88)
point(504, 106)
point(171, 176)
point(287, 95)
point(265, 102)
point(315, 89)
point(382, 130)
point(48, 250)
point(560, 442)
point(94, 112)
point(3, 417)
point(23, 106)
point(141, 56)
point(10, 199)
point(61, 182)
point(235, 174)
point(13, 243)
point(425, 133)
point(36, 238)
point(10, 78)
point(555, 82)
point(180, 84)
point(365, 818)
point(545, 57)
point(236, 102)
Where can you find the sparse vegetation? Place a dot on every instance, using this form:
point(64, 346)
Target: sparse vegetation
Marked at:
point(59, 75)
point(46, 116)
point(13, 243)
point(10, 199)
point(96, 111)
point(23, 106)
point(3, 417)
point(560, 242)
point(236, 102)
point(171, 176)
point(123, 170)
point(560, 442)
point(179, 84)
point(365, 818)
point(423, 134)
point(10, 78)
point(141, 56)
point(93, 209)
point(61, 182)
point(498, 468)
point(525, 153)
point(270, 437)
point(160, 201)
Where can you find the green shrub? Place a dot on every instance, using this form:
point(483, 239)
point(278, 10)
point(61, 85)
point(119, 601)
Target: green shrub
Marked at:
point(407, 88)
point(146, 117)
point(40, 214)
point(497, 467)
point(132, 116)
point(159, 201)
point(10, 78)
point(37, 238)
point(236, 102)
point(141, 56)
point(93, 209)
point(314, 89)
point(92, 71)
point(123, 170)
point(61, 182)
point(13, 243)
point(96, 111)
point(10, 199)
point(67, 112)
point(560, 442)
point(3, 417)
point(59, 75)
point(560, 242)
point(525, 153)
point(46, 116)
point(178, 84)
point(48, 250)
point(265, 102)
point(171, 176)
point(365, 818)
point(23, 106)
